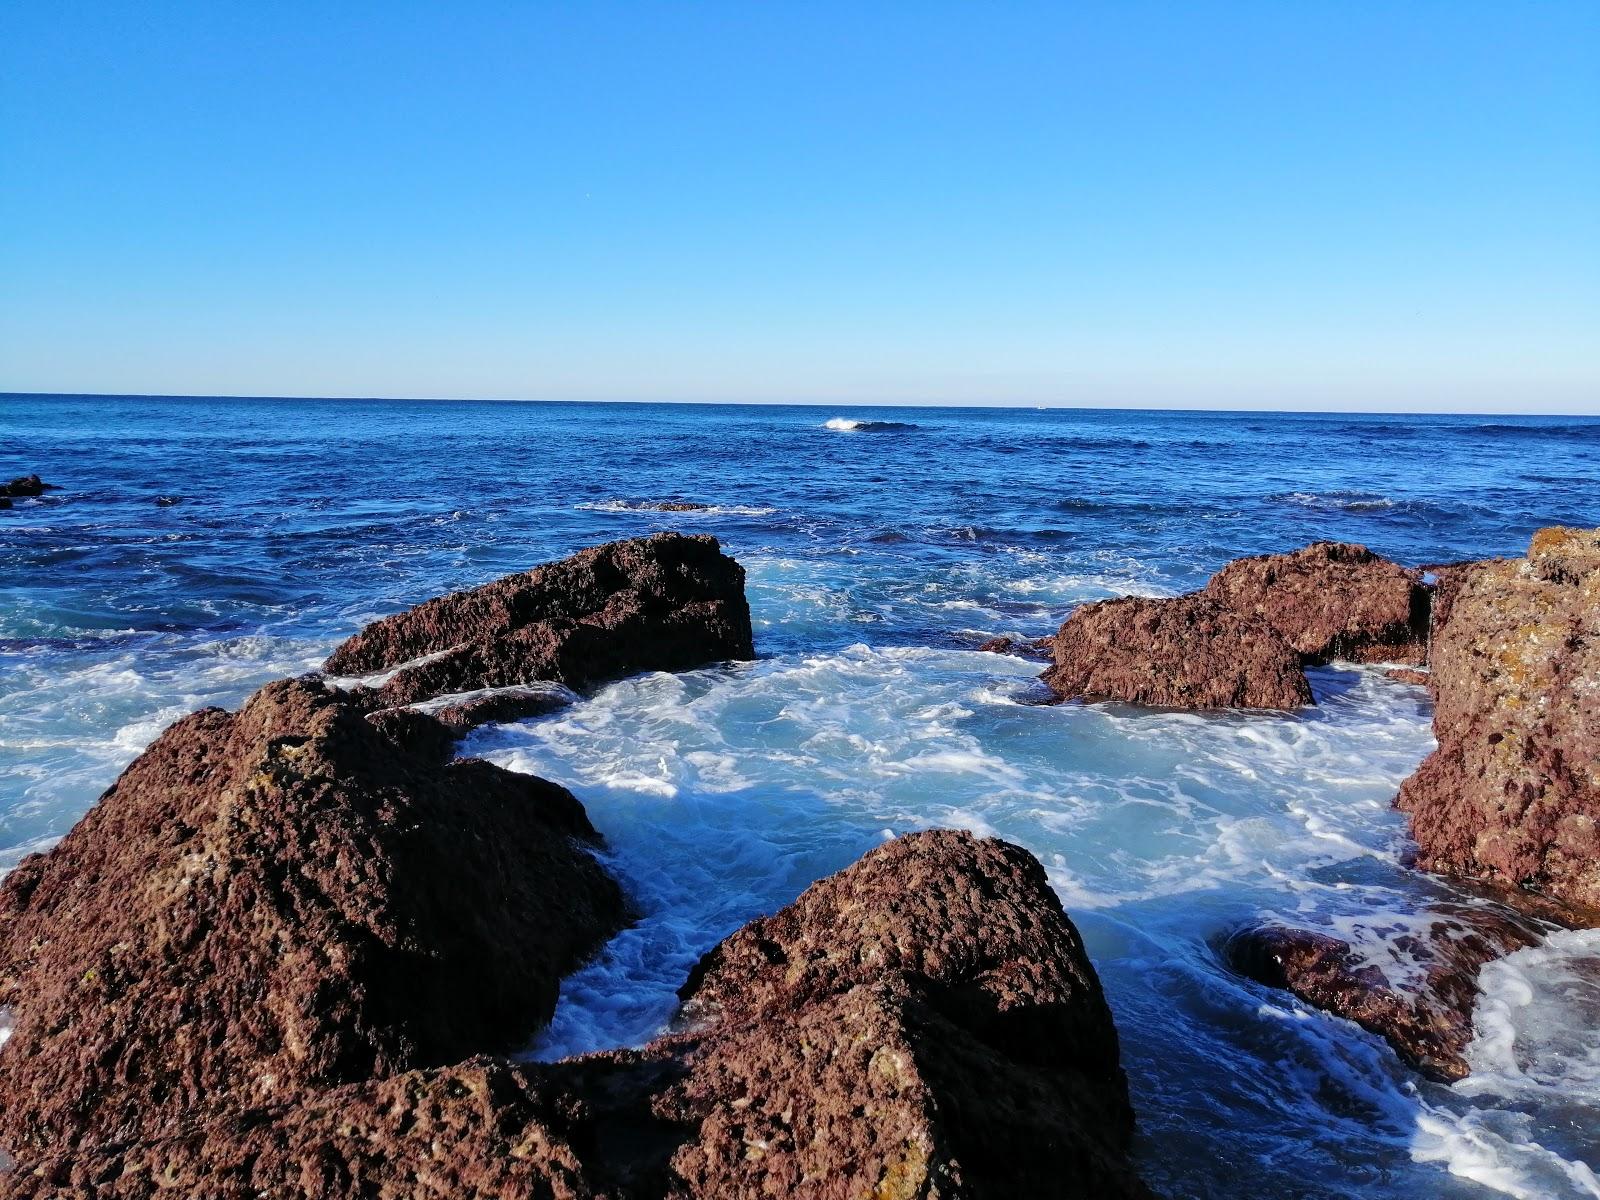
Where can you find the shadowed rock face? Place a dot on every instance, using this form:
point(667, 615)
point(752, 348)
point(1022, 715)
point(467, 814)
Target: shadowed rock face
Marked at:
point(665, 602)
point(922, 1025)
point(1184, 652)
point(1416, 987)
point(1512, 794)
point(278, 897)
point(1332, 600)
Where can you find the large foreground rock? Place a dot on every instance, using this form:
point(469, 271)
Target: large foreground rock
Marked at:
point(924, 1024)
point(1512, 794)
point(667, 602)
point(1414, 985)
point(1184, 652)
point(276, 898)
point(1332, 600)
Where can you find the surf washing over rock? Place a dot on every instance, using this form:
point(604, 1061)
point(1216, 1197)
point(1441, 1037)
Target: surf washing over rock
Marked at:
point(722, 791)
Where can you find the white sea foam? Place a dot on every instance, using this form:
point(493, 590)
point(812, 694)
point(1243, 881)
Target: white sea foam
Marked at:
point(1535, 1030)
point(655, 508)
point(67, 730)
point(723, 792)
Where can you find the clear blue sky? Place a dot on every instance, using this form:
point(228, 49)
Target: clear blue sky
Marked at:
point(1284, 204)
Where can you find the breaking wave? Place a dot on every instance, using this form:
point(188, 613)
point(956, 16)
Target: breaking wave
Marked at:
point(852, 425)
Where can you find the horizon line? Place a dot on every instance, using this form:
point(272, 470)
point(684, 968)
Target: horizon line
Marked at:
point(1060, 406)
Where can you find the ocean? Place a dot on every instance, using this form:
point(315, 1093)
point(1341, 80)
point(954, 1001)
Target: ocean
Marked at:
point(201, 547)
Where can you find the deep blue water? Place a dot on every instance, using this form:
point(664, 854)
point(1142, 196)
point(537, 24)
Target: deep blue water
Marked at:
point(198, 548)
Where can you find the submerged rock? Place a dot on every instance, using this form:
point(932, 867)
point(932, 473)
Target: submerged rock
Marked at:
point(1035, 648)
point(1183, 652)
point(26, 485)
point(1512, 794)
point(282, 897)
point(1415, 987)
point(502, 704)
point(1332, 600)
point(923, 1024)
point(667, 602)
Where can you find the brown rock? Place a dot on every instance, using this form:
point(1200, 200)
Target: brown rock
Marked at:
point(1184, 652)
point(1512, 794)
point(1447, 581)
point(665, 602)
point(1416, 988)
point(1332, 600)
point(279, 897)
point(482, 1130)
point(863, 1042)
point(1414, 675)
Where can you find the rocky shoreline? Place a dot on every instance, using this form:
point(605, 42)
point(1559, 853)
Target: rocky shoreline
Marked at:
point(288, 951)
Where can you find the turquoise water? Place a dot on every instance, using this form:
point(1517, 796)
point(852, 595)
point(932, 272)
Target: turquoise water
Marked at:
point(201, 547)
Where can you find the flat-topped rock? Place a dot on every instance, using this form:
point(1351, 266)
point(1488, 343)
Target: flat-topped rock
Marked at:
point(1332, 600)
point(667, 602)
point(922, 1025)
point(1183, 652)
point(1511, 795)
point(276, 898)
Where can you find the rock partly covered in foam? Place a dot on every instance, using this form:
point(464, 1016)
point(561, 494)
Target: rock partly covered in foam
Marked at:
point(1512, 794)
point(667, 602)
point(282, 897)
point(1036, 648)
point(1414, 985)
point(1332, 600)
point(1183, 652)
point(923, 1024)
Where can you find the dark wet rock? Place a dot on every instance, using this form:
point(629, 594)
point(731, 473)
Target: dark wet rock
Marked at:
point(922, 1025)
point(418, 732)
point(667, 602)
point(276, 898)
point(168, 501)
point(1038, 648)
point(5, 501)
point(504, 704)
point(1512, 794)
point(1415, 675)
point(1183, 652)
point(1332, 600)
point(676, 506)
point(433, 731)
point(1414, 985)
point(26, 485)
